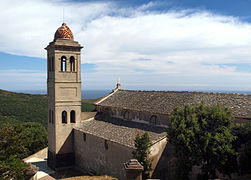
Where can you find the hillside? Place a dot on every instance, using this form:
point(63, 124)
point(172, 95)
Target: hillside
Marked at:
point(17, 108)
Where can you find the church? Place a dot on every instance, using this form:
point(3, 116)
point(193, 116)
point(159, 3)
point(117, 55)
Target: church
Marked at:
point(101, 142)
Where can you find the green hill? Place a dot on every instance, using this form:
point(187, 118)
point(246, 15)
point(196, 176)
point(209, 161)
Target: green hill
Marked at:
point(17, 108)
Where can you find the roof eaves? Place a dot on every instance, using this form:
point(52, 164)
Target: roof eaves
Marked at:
point(105, 97)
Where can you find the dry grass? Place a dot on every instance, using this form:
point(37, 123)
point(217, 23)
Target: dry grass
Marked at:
point(73, 174)
point(91, 178)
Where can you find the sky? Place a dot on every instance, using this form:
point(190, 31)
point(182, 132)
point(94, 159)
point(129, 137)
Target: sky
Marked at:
point(193, 45)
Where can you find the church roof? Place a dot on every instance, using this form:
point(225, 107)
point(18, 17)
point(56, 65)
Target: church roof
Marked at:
point(63, 32)
point(163, 102)
point(121, 131)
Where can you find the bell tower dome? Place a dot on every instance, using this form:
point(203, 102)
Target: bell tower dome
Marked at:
point(64, 96)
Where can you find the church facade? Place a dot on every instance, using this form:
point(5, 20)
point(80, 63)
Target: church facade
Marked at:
point(101, 142)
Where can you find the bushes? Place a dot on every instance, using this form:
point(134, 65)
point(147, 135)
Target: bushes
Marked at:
point(22, 140)
point(16, 143)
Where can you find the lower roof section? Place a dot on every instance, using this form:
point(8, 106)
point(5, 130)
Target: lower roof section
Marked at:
point(121, 131)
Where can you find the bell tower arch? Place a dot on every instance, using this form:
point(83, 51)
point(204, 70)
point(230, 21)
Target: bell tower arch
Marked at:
point(64, 96)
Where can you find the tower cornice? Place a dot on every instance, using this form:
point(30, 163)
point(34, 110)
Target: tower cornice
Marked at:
point(64, 43)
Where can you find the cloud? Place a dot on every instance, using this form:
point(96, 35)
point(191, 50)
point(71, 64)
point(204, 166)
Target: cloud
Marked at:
point(120, 41)
point(28, 26)
point(21, 79)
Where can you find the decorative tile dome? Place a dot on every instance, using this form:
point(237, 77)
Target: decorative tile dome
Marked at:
point(63, 32)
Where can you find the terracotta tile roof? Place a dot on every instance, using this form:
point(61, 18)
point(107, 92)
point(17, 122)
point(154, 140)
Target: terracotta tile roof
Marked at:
point(121, 131)
point(164, 102)
point(63, 32)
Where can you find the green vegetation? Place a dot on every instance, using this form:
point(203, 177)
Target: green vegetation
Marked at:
point(13, 168)
point(142, 152)
point(243, 141)
point(16, 108)
point(16, 143)
point(87, 105)
point(201, 135)
point(23, 123)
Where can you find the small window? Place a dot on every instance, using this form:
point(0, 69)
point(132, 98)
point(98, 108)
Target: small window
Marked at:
point(64, 117)
point(49, 64)
point(73, 116)
point(49, 116)
point(84, 136)
point(52, 117)
point(63, 63)
point(72, 62)
point(52, 64)
point(106, 144)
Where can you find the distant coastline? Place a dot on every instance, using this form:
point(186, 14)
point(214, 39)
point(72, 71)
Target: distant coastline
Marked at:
point(86, 94)
point(93, 94)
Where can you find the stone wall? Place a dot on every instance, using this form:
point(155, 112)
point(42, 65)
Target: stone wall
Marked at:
point(154, 119)
point(95, 154)
point(157, 151)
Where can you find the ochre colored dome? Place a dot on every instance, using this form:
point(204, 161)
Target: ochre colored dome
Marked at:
point(63, 32)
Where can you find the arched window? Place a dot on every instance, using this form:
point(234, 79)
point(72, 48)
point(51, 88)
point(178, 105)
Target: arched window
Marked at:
point(107, 111)
point(52, 117)
point(52, 64)
point(126, 115)
point(106, 144)
point(49, 64)
point(49, 116)
point(63, 63)
point(84, 136)
point(73, 116)
point(72, 62)
point(64, 117)
point(153, 120)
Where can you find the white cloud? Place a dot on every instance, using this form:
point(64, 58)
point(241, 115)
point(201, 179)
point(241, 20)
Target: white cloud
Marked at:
point(22, 79)
point(175, 42)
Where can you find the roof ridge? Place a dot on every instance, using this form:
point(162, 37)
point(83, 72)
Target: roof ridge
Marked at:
point(199, 92)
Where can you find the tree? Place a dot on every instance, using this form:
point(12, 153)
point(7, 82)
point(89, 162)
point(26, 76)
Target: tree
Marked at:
point(10, 142)
point(182, 132)
point(243, 134)
point(201, 135)
point(34, 137)
point(22, 140)
point(16, 143)
point(13, 168)
point(142, 152)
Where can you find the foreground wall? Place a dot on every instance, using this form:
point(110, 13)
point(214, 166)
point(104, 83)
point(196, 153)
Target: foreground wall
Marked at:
point(158, 155)
point(95, 154)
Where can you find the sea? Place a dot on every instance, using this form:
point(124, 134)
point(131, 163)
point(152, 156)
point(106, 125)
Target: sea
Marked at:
point(94, 94)
point(86, 94)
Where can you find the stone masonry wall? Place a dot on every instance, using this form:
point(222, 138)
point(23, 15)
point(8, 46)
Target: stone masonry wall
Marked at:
point(98, 155)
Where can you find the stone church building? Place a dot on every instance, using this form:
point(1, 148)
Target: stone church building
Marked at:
point(102, 141)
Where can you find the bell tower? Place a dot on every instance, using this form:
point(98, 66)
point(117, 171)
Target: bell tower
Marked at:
point(64, 96)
